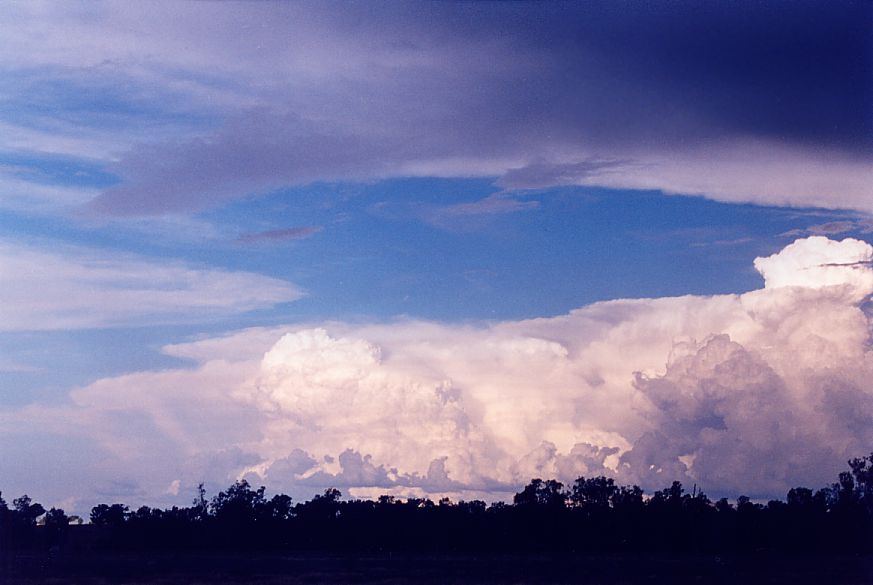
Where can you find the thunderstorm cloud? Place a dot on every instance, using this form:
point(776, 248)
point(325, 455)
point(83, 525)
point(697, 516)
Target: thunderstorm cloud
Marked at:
point(756, 392)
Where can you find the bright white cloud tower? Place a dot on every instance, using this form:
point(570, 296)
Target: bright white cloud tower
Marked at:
point(755, 392)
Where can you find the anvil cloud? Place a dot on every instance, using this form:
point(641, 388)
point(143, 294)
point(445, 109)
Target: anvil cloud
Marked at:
point(494, 210)
point(755, 392)
point(735, 102)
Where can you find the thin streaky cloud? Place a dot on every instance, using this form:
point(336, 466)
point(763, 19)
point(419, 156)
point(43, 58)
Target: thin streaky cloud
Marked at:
point(72, 288)
point(293, 233)
point(496, 204)
point(830, 228)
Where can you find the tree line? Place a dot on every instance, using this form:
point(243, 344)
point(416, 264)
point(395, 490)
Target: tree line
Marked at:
point(591, 515)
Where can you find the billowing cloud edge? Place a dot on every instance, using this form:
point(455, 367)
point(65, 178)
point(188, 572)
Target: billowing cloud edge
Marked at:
point(753, 392)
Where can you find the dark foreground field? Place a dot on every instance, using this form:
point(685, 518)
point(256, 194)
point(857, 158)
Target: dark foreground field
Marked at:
point(430, 570)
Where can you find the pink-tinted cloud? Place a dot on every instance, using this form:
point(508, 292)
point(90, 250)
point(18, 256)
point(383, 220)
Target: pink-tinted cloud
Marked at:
point(756, 392)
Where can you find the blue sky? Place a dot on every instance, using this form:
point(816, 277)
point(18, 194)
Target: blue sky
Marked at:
point(176, 173)
point(375, 258)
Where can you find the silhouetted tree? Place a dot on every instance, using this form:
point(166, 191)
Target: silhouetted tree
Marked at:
point(602, 516)
point(200, 508)
point(5, 525)
point(862, 473)
point(56, 518)
point(280, 507)
point(57, 524)
point(27, 511)
point(723, 506)
point(109, 516)
point(548, 493)
point(596, 492)
point(239, 504)
point(240, 516)
point(670, 497)
point(19, 528)
point(628, 498)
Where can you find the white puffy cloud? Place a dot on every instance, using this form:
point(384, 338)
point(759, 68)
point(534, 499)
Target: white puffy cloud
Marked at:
point(817, 261)
point(755, 393)
point(74, 287)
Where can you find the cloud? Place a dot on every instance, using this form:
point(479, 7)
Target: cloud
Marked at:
point(756, 105)
point(294, 233)
point(173, 488)
point(8, 365)
point(471, 214)
point(76, 288)
point(33, 197)
point(756, 392)
point(817, 262)
point(119, 490)
point(836, 227)
point(541, 174)
point(491, 205)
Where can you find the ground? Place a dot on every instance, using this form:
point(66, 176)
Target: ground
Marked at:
point(312, 569)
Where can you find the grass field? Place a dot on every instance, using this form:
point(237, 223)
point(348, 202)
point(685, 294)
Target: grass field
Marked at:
point(313, 569)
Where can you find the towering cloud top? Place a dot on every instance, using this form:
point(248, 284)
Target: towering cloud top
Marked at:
point(818, 262)
point(755, 393)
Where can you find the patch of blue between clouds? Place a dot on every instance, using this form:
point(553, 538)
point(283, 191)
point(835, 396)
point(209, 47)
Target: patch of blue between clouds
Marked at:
point(378, 256)
point(101, 97)
point(65, 171)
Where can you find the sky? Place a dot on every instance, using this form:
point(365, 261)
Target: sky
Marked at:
point(432, 248)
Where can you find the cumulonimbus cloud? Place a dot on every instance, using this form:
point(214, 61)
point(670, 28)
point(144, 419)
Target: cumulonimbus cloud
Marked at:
point(753, 392)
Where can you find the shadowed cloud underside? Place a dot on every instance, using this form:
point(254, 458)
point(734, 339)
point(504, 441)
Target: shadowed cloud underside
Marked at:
point(433, 247)
point(756, 392)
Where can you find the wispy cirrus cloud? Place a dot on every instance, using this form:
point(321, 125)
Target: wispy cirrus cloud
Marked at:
point(862, 225)
point(492, 205)
point(471, 214)
point(46, 288)
point(292, 233)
